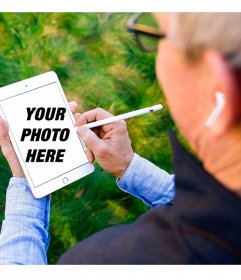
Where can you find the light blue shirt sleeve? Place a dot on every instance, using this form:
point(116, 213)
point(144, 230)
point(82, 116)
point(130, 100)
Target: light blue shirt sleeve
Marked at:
point(148, 182)
point(24, 235)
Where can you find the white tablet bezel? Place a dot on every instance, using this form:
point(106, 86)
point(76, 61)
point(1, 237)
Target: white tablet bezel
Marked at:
point(71, 175)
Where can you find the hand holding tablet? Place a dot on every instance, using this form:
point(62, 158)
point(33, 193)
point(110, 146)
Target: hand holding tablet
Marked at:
point(41, 128)
point(7, 147)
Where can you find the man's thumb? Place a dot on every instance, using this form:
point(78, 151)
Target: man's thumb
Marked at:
point(90, 139)
point(4, 139)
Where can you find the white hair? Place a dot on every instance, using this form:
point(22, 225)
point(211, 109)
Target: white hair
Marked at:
point(194, 32)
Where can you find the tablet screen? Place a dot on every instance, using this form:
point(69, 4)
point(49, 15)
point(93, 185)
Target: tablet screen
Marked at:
point(44, 133)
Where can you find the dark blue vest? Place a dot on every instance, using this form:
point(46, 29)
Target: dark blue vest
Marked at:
point(202, 226)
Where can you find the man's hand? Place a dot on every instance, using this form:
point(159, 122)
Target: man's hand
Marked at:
point(7, 148)
point(109, 144)
point(8, 151)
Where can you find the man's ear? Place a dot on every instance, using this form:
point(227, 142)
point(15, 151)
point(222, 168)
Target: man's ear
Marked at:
point(224, 80)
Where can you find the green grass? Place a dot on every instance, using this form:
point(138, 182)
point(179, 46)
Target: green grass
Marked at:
point(98, 65)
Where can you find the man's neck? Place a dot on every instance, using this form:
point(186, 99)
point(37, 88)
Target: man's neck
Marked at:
point(221, 157)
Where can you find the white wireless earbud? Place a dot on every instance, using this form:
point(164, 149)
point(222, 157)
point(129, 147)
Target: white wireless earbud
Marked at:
point(217, 110)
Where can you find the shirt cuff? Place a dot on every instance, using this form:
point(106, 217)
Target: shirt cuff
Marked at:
point(20, 203)
point(148, 182)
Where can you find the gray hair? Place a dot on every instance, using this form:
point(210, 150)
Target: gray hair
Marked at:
point(194, 32)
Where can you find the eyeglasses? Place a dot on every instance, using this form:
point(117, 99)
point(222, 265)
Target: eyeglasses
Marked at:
point(145, 31)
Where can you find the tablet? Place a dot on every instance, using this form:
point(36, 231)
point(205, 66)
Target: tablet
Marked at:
point(42, 131)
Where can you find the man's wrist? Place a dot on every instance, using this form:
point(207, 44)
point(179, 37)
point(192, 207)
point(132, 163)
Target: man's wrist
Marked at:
point(125, 166)
point(16, 168)
point(18, 174)
point(129, 169)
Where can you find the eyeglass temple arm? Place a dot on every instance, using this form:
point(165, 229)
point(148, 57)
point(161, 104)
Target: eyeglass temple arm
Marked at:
point(145, 30)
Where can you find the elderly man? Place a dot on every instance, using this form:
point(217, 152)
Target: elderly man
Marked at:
point(198, 61)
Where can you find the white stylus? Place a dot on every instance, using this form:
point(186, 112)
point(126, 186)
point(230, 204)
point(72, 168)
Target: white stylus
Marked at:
point(124, 116)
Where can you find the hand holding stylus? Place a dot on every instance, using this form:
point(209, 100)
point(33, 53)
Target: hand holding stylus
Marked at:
point(109, 141)
point(123, 116)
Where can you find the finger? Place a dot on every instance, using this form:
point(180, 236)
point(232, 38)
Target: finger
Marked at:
point(3, 130)
point(73, 106)
point(76, 116)
point(115, 128)
point(5, 142)
point(93, 115)
point(91, 140)
point(90, 155)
